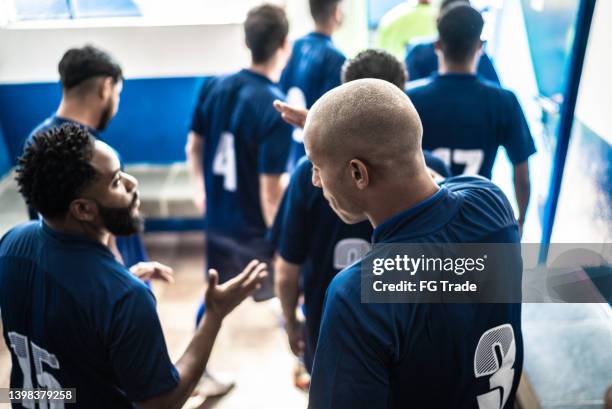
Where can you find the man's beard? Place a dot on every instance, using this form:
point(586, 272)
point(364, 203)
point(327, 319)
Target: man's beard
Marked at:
point(119, 220)
point(105, 117)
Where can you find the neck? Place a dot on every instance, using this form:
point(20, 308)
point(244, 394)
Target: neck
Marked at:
point(78, 111)
point(325, 29)
point(400, 199)
point(449, 67)
point(423, 2)
point(269, 69)
point(74, 227)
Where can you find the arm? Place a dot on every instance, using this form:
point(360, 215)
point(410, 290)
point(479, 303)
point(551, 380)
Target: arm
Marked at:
point(220, 301)
point(291, 114)
point(522, 190)
point(271, 189)
point(195, 159)
point(287, 290)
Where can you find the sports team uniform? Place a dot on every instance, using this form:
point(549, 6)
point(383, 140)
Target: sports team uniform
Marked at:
point(385, 355)
point(131, 247)
point(465, 121)
point(313, 69)
point(421, 62)
point(307, 232)
point(244, 137)
point(73, 317)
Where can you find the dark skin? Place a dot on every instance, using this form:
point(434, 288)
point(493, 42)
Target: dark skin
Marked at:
point(115, 188)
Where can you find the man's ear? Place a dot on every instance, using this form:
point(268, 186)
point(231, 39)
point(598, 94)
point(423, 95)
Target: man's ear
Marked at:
point(438, 46)
point(105, 89)
point(339, 13)
point(83, 210)
point(359, 173)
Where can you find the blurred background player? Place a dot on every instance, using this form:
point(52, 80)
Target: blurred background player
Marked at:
point(92, 82)
point(404, 23)
point(312, 243)
point(314, 66)
point(238, 148)
point(364, 141)
point(69, 304)
point(422, 61)
point(465, 119)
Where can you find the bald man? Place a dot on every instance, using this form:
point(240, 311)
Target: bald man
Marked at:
point(364, 141)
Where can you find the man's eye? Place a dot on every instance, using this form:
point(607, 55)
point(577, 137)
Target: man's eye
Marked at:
point(116, 182)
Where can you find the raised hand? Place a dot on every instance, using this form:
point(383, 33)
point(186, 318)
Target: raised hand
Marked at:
point(293, 115)
point(221, 299)
point(152, 270)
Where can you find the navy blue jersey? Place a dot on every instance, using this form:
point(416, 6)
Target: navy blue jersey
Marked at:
point(422, 62)
point(306, 231)
point(313, 69)
point(131, 247)
point(465, 121)
point(73, 317)
point(244, 137)
point(377, 355)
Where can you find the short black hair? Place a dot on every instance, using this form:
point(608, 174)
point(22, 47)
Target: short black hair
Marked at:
point(459, 29)
point(374, 63)
point(55, 168)
point(266, 28)
point(322, 10)
point(80, 64)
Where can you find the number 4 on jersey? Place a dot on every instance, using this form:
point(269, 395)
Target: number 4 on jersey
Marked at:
point(224, 163)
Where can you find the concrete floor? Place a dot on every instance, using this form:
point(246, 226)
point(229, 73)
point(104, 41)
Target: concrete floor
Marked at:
point(251, 349)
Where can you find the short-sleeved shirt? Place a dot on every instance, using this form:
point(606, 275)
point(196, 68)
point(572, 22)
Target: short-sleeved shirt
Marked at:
point(131, 248)
point(244, 137)
point(313, 69)
point(307, 232)
point(421, 62)
point(386, 355)
point(403, 24)
point(73, 317)
point(466, 119)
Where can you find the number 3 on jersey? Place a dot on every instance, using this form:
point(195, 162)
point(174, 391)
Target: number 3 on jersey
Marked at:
point(224, 163)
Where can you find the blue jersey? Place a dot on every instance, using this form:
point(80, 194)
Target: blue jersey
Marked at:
point(131, 247)
point(377, 355)
point(313, 69)
point(465, 121)
point(73, 317)
point(307, 232)
point(244, 137)
point(422, 62)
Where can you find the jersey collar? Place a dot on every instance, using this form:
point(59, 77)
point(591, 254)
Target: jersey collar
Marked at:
point(320, 35)
point(58, 120)
point(67, 238)
point(256, 75)
point(419, 220)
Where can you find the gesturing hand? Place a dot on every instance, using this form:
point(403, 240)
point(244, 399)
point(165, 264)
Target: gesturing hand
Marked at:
point(293, 115)
point(221, 299)
point(152, 270)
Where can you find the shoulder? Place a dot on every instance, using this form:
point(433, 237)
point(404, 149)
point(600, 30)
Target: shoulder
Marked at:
point(419, 86)
point(345, 287)
point(19, 236)
point(482, 203)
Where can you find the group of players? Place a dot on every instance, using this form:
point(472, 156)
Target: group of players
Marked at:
point(276, 222)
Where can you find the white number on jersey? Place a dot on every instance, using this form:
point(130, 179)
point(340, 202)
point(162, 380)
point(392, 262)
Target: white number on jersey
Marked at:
point(19, 344)
point(471, 158)
point(496, 342)
point(296, 98)
point(347, 251)
point(224, 163)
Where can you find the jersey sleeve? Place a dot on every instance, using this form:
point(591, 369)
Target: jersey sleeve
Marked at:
point(137, 349)
point(349, 371)
point(275, 145)
point(198, 119)
point(290, 229)
point(334, 74)
point(517, 139)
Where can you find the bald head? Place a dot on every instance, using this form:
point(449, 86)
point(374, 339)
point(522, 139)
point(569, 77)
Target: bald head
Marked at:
point(369, 119)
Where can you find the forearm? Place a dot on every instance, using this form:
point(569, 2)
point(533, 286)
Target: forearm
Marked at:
point(190, 365)
point(195, 159)
point(287, 287)
point(271, 189)
point(522, 189)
